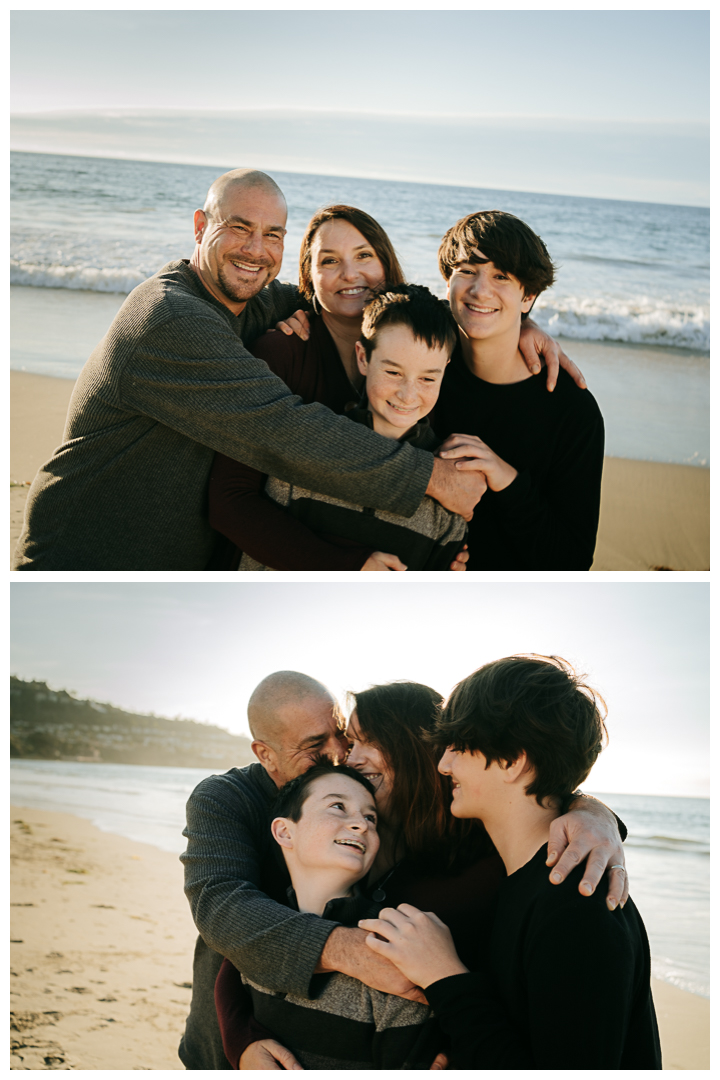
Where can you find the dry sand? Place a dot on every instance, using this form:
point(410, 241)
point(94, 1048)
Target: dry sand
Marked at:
point(101, 955)
point(652, 516)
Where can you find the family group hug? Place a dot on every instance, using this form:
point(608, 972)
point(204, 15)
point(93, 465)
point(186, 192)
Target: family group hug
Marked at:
point(227, 421)
point(377, 894)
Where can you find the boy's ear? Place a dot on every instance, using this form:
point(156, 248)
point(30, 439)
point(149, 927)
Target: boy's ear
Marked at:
point(282, 830)
point(361, 358)
point(527, 303)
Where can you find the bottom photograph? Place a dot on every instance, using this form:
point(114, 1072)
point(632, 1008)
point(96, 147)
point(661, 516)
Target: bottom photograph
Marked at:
point(283, 826)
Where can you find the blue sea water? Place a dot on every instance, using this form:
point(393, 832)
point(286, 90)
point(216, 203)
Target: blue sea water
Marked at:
point(667, 849)
point(629, 272)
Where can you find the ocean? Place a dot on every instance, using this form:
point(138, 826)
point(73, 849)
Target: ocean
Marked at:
point(667, 849)
point(633, 277)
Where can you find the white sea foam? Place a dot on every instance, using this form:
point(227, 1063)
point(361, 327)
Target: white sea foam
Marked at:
point(91, 278)
point(640, 321)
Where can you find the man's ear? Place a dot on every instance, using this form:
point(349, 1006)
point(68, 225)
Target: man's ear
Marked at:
point(266, 756)
point(199, 222)
point(361, 357)
point(283, 831)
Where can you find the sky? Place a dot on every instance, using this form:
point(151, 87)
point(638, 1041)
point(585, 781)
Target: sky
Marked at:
point(197, 650)
point(604, 103)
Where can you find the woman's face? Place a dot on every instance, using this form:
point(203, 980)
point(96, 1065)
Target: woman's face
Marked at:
point(369, 760)
point(344, 268)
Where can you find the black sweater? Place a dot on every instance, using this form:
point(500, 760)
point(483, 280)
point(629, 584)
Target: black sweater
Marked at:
point(566, 984)
point(547, 518)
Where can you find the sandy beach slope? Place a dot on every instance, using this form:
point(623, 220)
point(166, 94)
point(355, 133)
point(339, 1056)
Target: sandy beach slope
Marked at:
point(652, 515)
point(101, 954)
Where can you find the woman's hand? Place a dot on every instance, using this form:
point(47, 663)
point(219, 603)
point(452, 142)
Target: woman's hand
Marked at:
point(267, 1054)
point(417, 942)
point(479, 457)
point(297, 323)
point(380, 560)
point(460, 559)
point(536, 344)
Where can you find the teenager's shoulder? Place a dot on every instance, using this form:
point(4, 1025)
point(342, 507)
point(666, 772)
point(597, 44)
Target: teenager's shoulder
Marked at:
point(571, 396)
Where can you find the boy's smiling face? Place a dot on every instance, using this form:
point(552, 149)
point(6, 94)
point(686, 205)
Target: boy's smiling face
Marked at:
point(486, 301)
point(403, 377)
point(337, 829)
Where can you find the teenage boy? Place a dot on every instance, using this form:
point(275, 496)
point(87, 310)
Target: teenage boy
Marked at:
point(325, 823)
point(406, 342)
point(522, 733)
point(542, 454)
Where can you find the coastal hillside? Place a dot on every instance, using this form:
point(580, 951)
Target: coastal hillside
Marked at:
point(53, 725)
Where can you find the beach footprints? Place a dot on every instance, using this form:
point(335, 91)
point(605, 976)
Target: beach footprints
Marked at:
point(30, 1052)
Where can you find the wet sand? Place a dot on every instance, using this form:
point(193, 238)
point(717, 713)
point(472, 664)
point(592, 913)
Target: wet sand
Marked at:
point(101, 955)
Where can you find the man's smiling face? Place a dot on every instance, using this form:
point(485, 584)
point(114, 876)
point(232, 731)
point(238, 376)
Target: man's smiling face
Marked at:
point(240, 243)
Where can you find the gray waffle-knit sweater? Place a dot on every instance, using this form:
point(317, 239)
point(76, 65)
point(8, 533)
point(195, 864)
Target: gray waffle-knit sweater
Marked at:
point(227, 833)
point(170, 383)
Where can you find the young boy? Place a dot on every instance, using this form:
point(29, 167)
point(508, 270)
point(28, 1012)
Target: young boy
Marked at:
point(541, 453)
point(407, 338)
point(522, 733)
point(325, 823)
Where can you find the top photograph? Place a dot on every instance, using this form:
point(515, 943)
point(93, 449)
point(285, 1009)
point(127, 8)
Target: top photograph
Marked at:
point(314, 291)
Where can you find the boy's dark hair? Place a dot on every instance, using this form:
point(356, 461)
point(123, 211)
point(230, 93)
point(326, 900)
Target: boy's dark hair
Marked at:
point(413, 306)
point(503, 239)
point(292, 796)
point(532, 703)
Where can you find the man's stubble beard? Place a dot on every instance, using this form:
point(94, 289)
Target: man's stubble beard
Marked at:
point(236, 295)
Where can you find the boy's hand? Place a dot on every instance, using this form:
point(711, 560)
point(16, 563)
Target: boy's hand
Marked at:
point(460, 559)
point(297, 323)
point(417, 942)
point(477, 455)
point(380, 560)
point(535, 346)
point(267, 1054)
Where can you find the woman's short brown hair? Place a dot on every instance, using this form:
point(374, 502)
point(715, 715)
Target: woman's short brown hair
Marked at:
point(367, 226)
point(503, 239)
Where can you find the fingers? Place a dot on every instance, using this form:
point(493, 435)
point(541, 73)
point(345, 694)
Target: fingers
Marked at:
point(285, 327)
point(440, 1062)
point(618, 890)
point(567, 862)
point(285, 1057)
point(572, 369)
point(553, 366)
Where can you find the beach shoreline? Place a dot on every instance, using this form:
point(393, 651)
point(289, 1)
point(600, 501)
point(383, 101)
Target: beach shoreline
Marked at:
point(102, 946)
point(653, 516)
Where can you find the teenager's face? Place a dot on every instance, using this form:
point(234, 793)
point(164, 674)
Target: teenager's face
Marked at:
point(402, 379)
point(370, 761)
point(337, 828)
point(485, 301)
point(472, 782)
point(344, 269)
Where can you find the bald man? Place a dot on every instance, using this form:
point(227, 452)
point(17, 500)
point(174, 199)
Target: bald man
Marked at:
point(172, 382)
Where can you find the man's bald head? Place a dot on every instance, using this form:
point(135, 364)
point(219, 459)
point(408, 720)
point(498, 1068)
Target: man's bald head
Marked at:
point(268, 701)
point(234, 181)
point(293, 719)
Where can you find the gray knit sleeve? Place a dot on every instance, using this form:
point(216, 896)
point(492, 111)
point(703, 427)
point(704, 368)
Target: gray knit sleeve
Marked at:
point(194, 375)
point(268, 942)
